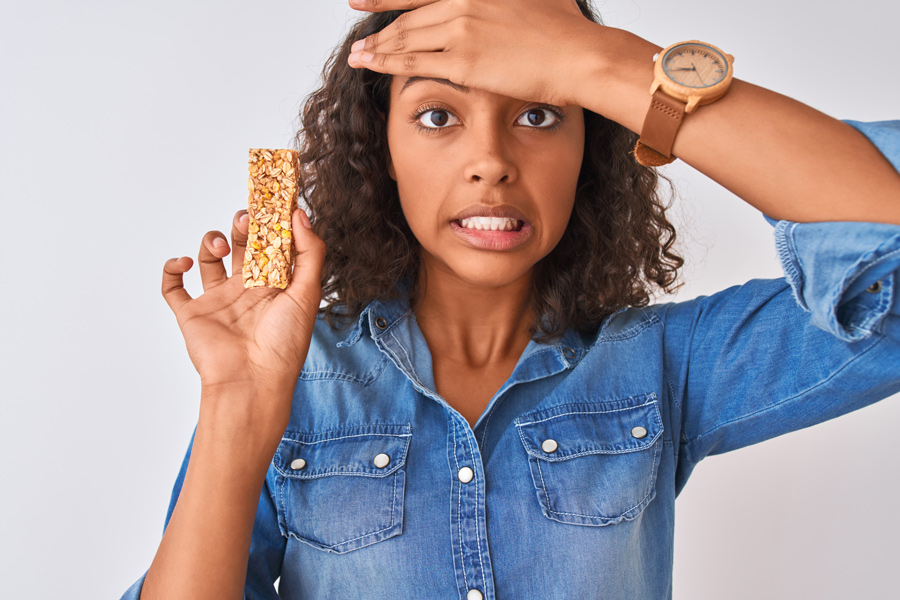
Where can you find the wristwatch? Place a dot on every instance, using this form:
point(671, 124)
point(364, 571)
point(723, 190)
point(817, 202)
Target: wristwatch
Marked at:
point(686, 75)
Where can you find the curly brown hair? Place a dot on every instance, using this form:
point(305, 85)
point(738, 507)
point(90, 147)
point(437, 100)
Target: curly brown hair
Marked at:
point(617, 246)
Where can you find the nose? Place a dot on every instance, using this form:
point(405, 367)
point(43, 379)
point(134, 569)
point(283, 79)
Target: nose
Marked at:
point(490, 161)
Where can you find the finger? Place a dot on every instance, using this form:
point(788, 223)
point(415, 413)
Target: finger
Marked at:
point(383, 5)
point(173, 282)
point(212, 249)
point(306, 279)
point(434, 38)
point(422, 64)
point(394, 35)
point(239, 230)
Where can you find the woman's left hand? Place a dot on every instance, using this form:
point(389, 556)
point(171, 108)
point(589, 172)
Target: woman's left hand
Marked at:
point(534, 50)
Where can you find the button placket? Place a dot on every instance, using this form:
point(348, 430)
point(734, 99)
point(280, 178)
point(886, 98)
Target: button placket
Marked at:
point(467, 520)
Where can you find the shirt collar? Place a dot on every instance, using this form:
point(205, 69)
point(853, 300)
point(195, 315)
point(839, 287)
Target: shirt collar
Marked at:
point(381, 315)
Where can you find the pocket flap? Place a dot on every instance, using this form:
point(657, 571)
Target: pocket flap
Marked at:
point(572, 430)
point(365, 451)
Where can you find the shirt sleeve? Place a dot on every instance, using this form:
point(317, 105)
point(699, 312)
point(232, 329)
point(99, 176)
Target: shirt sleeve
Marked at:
point(266, 544)
point(772, 356)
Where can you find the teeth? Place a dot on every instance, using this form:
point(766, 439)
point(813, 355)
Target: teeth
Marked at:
point(489, 223)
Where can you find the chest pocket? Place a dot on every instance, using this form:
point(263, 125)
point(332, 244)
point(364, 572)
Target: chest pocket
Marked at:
point(594, 463)
point(342, 489)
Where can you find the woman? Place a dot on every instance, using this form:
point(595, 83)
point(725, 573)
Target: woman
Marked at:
point(470, 402)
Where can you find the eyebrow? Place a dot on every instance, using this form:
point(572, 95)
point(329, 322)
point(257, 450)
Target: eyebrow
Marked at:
point(447, 82)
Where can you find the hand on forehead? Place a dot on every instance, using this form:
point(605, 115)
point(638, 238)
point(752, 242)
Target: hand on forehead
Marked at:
point(518, 48)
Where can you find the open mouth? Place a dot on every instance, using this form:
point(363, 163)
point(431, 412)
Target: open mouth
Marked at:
point(490, 224)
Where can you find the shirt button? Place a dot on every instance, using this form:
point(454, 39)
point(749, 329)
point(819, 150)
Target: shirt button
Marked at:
point(474, 594)
point(382, 460)
point(549, 446)
point(465, 475)
point(569, 352)
point(297, 464)
point(874, 288)
point(380, 323)
point(639, 433)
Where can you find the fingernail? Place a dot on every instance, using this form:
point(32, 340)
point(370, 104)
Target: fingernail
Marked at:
point(244, 217)
point(218, 243)
point(358, 45)
point(304, 219)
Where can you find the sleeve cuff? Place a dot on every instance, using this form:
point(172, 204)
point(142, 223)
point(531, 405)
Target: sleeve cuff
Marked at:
point(843, 273)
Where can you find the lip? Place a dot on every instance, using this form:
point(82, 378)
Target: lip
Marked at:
point(500, 211)
point(493, 240)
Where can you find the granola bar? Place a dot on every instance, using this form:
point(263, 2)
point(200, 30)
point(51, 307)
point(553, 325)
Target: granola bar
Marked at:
point(273, 198)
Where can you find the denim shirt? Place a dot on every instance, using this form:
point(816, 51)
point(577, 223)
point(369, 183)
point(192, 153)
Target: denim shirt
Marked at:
point(566, 486)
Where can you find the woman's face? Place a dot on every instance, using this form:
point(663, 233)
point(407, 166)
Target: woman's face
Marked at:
point(486, 182)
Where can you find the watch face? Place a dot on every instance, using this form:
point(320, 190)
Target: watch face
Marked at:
point(695, 65)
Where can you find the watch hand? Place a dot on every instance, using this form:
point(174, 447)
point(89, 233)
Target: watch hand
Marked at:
point(694, 69)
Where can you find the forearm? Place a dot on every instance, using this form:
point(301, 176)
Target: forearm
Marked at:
point(206, 545)
point(783, 157)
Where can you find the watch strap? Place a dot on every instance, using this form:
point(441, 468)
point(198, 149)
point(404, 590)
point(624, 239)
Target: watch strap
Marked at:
point(663, 119)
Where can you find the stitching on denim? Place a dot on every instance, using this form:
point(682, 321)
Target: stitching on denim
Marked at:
point(371, 533)
point(484, 428)
point(395, 322)
point(591, 412)
point(284, 509)
point(459, 484)
point(411, 367)
point(622, 515)
point(648, 318)
point(793, 398)
point(393, 498)
point(478, 505)
point(344, 437)
point(327, 375)
point(401, 460)
point(790, 259)
point(884, 296)
point(543, 484)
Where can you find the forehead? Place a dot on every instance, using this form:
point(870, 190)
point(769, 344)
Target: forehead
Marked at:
point(401, 84)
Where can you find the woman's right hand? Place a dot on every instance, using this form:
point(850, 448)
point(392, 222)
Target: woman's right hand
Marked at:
point(247, 340)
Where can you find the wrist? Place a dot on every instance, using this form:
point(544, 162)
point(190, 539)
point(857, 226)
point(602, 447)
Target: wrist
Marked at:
point(255, 414)
point(616, 78)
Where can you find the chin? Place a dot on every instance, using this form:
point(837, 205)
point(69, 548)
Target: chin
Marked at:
point(496, 275)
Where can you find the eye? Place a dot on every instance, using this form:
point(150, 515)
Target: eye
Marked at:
point(436, 118)
point(539, 118)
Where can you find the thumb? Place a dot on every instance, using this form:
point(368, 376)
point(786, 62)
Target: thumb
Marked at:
point(307, 274)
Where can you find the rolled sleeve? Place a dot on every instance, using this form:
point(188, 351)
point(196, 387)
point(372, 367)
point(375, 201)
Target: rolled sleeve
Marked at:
point(845, 273)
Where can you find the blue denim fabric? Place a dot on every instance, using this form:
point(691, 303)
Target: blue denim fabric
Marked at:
point(630, 411)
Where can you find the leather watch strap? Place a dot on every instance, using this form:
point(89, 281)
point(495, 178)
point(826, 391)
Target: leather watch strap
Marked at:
point(658, 133)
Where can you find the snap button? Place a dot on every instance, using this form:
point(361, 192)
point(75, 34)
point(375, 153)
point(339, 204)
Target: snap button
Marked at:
point(382, 460)
point(474, 594)
point(297, 464)
point(549, 446)
point(465, 474)
point(638, 433)
point(874, 288)
point(380, 323)
point(569, 352)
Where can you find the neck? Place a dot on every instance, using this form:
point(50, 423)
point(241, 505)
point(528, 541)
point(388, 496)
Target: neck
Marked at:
point(474, 326)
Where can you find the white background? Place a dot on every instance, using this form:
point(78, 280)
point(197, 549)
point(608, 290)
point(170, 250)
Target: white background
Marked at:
point(124, 128)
